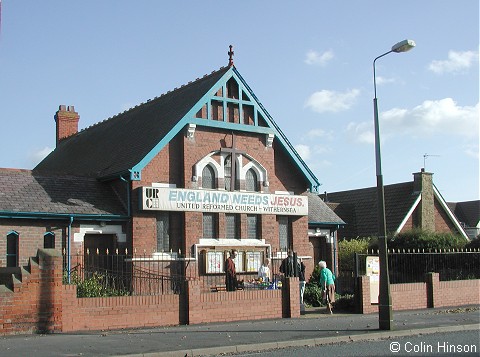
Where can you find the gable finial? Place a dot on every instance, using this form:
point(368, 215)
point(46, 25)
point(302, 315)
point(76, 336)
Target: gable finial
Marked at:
point(230, 54)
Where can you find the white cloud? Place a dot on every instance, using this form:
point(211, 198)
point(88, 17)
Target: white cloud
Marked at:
point(382, 80)
point(456, 62)
point(39, 155)
point(321, 59)
point(331, 101)
point(361, 132)
point(318, 133)
point(442, 116)
point(432, 117)
point(304, 151)
point(472, 150)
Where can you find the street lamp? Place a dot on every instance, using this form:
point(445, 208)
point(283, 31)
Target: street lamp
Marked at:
point(385, 316)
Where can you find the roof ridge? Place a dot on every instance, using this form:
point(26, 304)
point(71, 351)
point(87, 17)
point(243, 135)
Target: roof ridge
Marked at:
point(149, 101)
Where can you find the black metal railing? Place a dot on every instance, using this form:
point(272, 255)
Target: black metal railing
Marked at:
point(122, 274)
point(412, 265)
point(106, 274)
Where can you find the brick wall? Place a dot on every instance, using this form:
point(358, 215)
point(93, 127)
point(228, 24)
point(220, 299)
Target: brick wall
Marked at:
point(117, 312)
point(432, 293)
point(40, 302)
point(35, 304)
point(224, 306)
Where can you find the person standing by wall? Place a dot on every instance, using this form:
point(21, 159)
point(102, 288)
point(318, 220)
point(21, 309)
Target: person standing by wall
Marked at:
point(264, 271)
point(288, 265)
point(327, 284)
point(230, 273)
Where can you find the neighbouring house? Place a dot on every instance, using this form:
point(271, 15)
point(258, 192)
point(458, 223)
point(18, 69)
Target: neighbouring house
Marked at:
point(408, 205)
point(181, 179)
point(468, 213)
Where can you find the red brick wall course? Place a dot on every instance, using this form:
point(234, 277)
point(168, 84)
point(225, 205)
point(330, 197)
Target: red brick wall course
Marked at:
point(416, 295)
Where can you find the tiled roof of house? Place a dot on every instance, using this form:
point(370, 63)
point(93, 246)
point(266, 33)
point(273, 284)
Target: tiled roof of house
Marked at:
point(467, 212)
point(358, 208)
point(115, 145)
point(320, 213)
point(26, 192)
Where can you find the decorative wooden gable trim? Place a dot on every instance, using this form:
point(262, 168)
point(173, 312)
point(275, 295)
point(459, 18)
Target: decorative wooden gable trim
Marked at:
point(230, 104)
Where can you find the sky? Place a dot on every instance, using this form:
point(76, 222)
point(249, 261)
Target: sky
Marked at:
point(310, 63)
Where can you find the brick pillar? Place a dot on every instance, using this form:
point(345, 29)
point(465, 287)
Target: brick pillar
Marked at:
point(364, 306)
point(432, 281)
point(194, 303)
point(291, 298)
point(50, 295)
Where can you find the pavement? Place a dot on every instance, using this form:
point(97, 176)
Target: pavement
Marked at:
point(313, 327)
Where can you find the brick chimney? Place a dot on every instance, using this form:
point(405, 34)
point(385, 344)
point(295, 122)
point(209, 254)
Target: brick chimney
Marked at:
point(66, 119)
point(423, 182)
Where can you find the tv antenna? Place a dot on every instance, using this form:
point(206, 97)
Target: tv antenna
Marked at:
point(425, 159)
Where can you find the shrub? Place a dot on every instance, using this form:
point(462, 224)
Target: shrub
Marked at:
point(313, 297)
point(93, 286)
point(344, 302)
point(420, 239)
point(347, 250)
point(315, 276)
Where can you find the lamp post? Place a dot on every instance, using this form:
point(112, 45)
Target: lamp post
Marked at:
point(385, 316)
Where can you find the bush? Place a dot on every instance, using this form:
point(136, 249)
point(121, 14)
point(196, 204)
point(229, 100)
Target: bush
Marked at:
point(313, 297)
point(419, 239)
point(94, 286)
point(315, 276)
point(344, 302)
point(347, 250)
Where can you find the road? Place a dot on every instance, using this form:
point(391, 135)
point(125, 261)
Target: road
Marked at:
point(461, 343)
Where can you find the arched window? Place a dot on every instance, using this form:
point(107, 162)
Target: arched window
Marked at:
point(251, 181)
point(49, 240)
point(208, 177)
point(12, 249)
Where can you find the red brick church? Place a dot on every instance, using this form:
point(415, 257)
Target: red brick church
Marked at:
point(188, 176)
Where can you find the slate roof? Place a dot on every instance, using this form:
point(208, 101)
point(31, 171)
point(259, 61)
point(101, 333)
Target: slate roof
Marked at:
point(25, 192)
point(467, 212)
point(358, 208)
point(320, 213)
point(120, 142)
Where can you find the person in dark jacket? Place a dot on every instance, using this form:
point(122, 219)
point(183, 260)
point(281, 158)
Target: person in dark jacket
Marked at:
point(288, 265)
point(230, 273)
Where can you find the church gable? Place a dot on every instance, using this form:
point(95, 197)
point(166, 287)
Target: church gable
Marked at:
point(230, 104)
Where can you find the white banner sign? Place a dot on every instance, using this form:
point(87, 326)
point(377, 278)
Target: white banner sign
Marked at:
point(176, 199)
